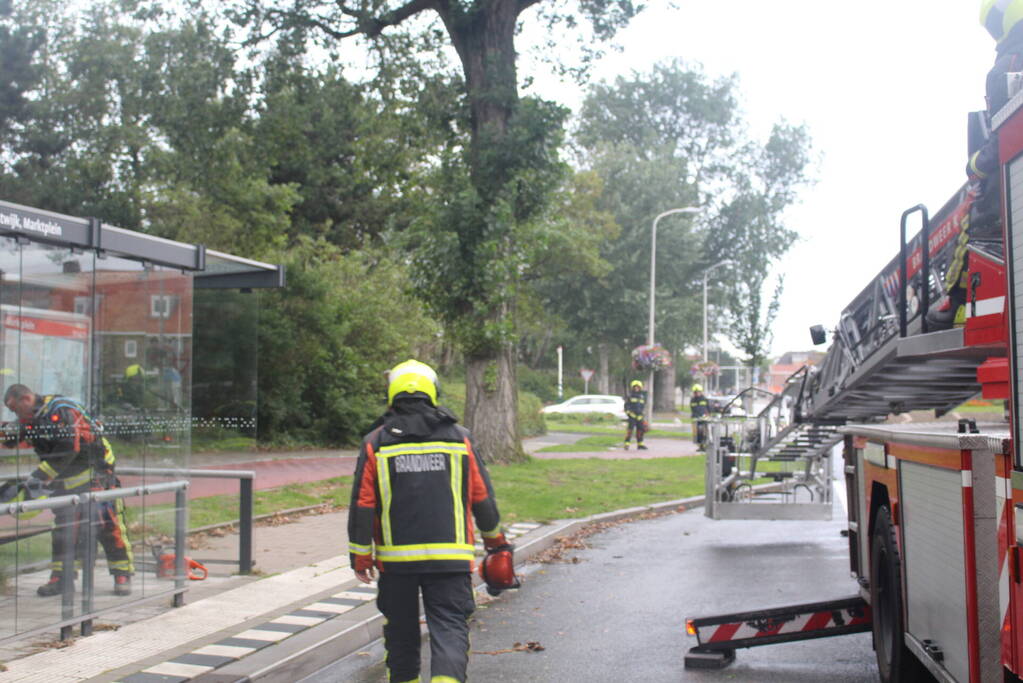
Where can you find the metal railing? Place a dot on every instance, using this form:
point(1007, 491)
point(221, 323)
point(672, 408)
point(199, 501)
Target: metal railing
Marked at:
point(245, 501)
point(89, 499)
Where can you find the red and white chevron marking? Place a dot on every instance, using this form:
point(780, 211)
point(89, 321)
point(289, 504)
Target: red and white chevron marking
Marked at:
point(800, 623)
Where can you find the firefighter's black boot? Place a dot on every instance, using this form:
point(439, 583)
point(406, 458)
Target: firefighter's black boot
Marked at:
point(55, 586)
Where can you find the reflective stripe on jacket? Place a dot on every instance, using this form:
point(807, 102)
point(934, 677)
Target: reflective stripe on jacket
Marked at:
point(414, 501)
point(635, 404)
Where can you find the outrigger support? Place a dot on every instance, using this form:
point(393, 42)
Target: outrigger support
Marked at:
point(720, 636)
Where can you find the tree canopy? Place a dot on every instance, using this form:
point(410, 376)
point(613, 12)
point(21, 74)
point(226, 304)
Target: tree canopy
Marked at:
point(496, 223)
point(667, 139)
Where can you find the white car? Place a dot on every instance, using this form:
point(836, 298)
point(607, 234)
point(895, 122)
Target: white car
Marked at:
point(590, 403)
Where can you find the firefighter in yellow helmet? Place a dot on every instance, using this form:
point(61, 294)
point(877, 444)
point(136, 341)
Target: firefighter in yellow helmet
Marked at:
point(699, 411)
point(635, 406)
point(417, 477)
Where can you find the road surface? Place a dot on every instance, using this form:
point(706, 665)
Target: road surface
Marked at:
point(618, 613)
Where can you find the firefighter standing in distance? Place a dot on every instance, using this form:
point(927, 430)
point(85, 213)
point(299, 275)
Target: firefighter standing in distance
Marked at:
point(73, 457)
point(699, 410)
point(635, 406)
point(416, 478)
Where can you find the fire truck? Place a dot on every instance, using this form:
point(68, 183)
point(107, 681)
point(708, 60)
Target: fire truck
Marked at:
point(935, 509)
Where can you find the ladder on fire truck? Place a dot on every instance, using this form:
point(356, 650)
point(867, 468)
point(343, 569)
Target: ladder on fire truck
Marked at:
point(886, 357)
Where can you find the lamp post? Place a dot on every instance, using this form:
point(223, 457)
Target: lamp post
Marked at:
point(653, 282)
point(706, 273)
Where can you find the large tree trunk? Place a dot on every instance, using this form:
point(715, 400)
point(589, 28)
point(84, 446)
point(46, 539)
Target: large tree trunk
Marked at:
point(664, 388)
point(603, 381)
point(491, 406)
point(485, 41)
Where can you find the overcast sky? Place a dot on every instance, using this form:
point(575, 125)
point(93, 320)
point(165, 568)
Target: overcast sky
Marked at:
point(884, 88)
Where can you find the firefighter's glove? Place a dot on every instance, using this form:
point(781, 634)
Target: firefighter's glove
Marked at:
point(34, 487)
point(495, 542)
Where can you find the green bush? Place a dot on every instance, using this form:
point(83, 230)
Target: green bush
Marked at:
point(325, 343)
point(531, 422)
point(541, 383)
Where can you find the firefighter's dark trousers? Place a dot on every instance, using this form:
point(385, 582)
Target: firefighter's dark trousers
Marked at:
point(702, 431)
point(448, 603)
point(108, 528)
point(637, 425)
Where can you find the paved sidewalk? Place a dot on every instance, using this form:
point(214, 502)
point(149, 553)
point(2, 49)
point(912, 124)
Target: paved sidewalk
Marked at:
point(226, 623)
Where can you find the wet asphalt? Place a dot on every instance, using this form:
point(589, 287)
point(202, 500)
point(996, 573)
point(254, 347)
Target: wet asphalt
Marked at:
point(617, 612)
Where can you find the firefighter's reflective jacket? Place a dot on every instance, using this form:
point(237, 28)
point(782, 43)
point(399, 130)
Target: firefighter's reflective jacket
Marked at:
point(418, 485)
point(699, 406)
point(635, 404)
point(71, 448)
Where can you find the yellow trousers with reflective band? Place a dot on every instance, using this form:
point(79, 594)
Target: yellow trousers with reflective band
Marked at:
point(108, 528)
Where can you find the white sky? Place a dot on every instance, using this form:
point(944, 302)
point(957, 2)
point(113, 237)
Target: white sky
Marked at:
point(884, 87)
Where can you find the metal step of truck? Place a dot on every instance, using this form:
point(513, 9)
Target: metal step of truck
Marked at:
point(719, 636)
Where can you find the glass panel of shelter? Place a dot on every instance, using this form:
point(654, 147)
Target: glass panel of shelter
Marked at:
point(15, 547)
point(46, 349)
point(74, 326)
point(224, 385)
point(143, 329)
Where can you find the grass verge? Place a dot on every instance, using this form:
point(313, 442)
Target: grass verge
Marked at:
point(544, 490)
point(537, 490)
point(334, 492)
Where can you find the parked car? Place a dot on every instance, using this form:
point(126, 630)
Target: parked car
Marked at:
point(590, 403)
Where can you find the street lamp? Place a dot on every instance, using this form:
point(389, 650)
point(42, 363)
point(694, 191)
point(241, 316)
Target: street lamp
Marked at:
point(653, 281)
point(706, 273)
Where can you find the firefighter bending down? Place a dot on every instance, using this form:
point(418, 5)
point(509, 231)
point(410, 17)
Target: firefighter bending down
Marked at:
point(416, 478)
point(699, 411)
point(635, 406)
point(73, 457)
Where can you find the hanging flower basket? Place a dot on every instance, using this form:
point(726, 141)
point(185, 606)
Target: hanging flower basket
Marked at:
point(651, 357)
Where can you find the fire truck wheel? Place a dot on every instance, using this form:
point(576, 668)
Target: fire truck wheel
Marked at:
point(895, 662)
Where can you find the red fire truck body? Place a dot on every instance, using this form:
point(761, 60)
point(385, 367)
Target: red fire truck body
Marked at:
point(935, 509)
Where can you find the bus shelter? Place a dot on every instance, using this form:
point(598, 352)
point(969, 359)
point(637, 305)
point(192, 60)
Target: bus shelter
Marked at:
point(156, 340)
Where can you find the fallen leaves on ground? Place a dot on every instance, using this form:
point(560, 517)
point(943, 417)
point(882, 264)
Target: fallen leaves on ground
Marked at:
point(54, 644)
point(558, 552)
point(531, 646)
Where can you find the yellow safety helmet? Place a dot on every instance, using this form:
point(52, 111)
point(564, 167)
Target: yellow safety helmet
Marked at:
point(697, 387)
point(412, 377)
point(634, 384)
point(1000, 16)
point(132, 370)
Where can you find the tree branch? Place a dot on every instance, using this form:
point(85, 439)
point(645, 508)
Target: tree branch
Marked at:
point(525, 4)
point(372, 26)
